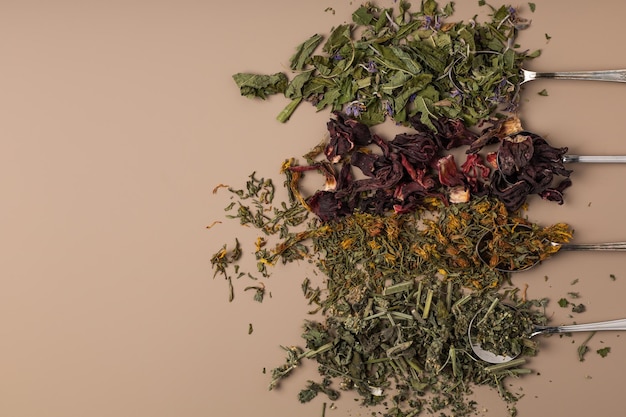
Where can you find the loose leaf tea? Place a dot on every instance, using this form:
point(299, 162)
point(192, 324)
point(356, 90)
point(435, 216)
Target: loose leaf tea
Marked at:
point(438, 241)
point(395, 227)
point(516, 247)
point(505, 330)
point(398, 63)
point(412, 342)
point(400, 292)
point(527, 164)
point(367, 173)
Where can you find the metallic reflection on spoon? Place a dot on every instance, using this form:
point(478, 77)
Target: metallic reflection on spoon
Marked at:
point(618, 75)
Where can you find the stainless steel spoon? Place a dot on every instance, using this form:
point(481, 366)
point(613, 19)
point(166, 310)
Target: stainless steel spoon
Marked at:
point(481, 251)
point(607, 75)
point(488, 356)
point(570, 159)
point(594, 159)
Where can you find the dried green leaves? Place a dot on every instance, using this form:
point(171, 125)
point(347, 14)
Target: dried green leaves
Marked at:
point(397, 63)
point(254, 85)
point(411, 341)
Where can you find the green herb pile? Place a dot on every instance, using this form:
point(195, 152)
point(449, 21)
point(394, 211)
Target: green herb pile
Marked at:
point(410, 341)
point(504, 330)
point(396, 63)
point(398, 295)
point(399, 290)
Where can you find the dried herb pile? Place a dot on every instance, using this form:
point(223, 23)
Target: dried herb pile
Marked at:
point(398, 293)
point(410, 341)
point(396, 63)
point(504, 329)
point(367, 173)
point(394, 228)
point(440, 240)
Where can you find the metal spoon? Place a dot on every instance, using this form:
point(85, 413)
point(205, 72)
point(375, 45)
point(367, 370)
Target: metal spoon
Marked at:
point(594, 159)
point(607, 75)
point(569, 159)
point(588, 159)
point(487, 356)
point(481, 251)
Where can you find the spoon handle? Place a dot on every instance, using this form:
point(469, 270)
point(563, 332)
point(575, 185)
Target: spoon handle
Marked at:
point(615, 246)
point(586, 327)
point(607, 75)
point(595, 159)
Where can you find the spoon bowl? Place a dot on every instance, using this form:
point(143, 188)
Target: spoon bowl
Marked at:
point(532, 259)
point(512, 177)
point(491, 357)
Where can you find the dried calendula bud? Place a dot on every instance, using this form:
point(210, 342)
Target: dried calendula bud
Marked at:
point(459, 194)
point(511, 126)
point(519, 246)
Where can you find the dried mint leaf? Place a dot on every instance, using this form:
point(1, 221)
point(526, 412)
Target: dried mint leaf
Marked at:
point(261, 86)
point(402, 63)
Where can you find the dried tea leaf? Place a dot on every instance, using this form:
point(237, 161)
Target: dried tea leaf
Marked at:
point(376, 68)
point(261, 86)
point(304, 51)
point(603, 351)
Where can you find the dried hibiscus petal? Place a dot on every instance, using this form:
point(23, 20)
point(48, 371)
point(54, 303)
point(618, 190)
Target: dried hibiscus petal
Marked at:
point(419, 149)
point(345, 135)
point(387, 174)
point(419, 175)
point(449, 134)
point(326, 205)
point(449, 174)
point(550, 156)
point(528, 158)
point(515, 153)
point(513, 195)
point(475, 172)
point(366, 162)
point(556, 194)
point(497, 129)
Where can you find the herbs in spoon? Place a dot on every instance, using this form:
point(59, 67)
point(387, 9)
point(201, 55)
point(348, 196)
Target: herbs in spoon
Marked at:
point(517, 247)
point(505, 330)
point(409, 339)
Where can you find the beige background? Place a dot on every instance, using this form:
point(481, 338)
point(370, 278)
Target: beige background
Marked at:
point(118, 118)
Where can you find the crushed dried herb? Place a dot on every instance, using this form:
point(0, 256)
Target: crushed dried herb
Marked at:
point(412, 343)
point(517, 247)
point(397, 222)
point(504, 329)
point(400, 290)
point(603, 352)
point(583, 348)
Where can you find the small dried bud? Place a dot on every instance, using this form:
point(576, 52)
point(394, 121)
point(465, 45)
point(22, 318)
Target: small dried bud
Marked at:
point(459, 194)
